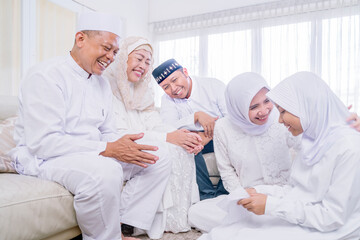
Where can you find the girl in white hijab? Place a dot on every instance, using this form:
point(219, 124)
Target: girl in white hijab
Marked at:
point(322, 200)
point(134, 110)
point(251, 147)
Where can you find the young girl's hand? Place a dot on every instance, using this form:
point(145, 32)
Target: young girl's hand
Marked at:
point(255, 203)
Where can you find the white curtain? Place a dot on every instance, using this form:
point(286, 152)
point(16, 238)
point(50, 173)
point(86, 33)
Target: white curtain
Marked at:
point(31, 31)
point(274, 39)
point(55, 30)
point(10, 46)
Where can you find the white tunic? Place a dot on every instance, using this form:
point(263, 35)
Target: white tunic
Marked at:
point(207, 95)
point(323, 204)
point(65, 121)
point(245, 160)
point(181, 189)
point(65, 111)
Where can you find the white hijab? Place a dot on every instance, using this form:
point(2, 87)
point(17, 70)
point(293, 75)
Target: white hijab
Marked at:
point(322, 114)
point(138, 96)
point(238, 95)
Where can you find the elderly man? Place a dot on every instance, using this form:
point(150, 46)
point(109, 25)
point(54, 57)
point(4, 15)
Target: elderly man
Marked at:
point(194, 104)
point(65, 134)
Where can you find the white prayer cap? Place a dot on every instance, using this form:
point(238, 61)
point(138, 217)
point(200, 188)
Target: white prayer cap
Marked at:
point(99, 21)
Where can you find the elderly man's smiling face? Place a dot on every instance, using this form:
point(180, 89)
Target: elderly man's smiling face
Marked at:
point(97, 50)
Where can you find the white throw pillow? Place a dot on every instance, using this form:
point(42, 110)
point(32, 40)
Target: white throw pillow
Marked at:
point(6, 144)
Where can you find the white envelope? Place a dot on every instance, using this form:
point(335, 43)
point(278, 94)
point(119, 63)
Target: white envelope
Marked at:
point(229, 204)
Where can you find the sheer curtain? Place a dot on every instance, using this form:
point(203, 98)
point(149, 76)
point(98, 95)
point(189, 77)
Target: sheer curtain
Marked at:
point(55, 30)
point(31, 31)
point(274, 39)
point(10, 46)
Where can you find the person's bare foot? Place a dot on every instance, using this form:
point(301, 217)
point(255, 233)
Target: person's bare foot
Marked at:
point(128, 238)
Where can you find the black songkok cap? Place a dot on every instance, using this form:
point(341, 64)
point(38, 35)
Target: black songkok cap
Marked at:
point(165, 69)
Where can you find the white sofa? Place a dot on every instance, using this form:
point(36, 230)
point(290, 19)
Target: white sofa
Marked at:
point(31, 208)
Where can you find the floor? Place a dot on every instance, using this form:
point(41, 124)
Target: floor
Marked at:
point(192, 235)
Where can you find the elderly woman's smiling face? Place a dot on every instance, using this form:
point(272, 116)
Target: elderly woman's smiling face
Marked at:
point(138, 64)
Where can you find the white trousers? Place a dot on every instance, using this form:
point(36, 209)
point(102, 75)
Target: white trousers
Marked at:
point(206, 215)
point(99, 200)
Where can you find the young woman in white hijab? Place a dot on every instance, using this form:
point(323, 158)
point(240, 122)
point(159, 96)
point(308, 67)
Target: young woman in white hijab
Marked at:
point(135, 112)
point(251, 147)
point(322, 200)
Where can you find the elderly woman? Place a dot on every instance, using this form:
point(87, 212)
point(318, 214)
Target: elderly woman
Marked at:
point(134, 110)
point(251, 147)
point(322, 200)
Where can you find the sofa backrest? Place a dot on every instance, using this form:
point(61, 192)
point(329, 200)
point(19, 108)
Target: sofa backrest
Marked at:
point(8, 106)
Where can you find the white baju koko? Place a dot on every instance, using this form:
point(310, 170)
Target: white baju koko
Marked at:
point(246, 160)
point(134, 112)
point(322, 200)
point(65, 122)
point(207, 95)
point(246, 154)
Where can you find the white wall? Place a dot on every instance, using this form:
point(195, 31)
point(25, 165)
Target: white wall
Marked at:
point(133, 12)
point(137, 14)
point(160, 10)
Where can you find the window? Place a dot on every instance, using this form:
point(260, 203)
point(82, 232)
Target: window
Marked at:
point(285, 50)
point(184, 50)
point(275, 41)
point(229, 54)
point(340, 57)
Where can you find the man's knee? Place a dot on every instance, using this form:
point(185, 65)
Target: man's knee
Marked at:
point(109, 166)
point(109, 172)
point(105, 177)
point(164, 162)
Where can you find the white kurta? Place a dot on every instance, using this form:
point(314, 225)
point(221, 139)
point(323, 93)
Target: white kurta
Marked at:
point(181, 190)
point(65, 121)
point(207, 95)
point(245, 160)
point(324, 202)
point(58, 97)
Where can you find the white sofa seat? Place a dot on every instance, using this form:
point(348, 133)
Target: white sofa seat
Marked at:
point(31, 208)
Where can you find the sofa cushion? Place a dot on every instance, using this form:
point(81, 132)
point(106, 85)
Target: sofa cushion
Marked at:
point(6, 144)
point(32, 208)
point(8, 106)
point(211, 165)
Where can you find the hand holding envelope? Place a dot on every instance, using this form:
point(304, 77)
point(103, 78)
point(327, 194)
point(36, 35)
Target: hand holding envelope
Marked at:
point(229, 204)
